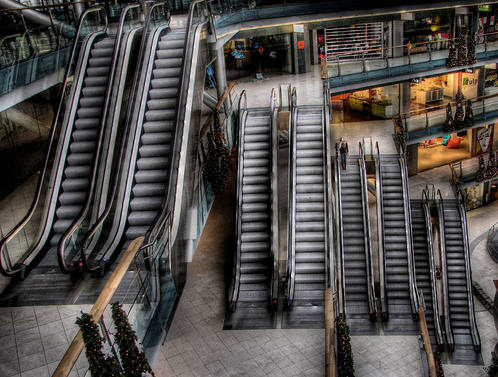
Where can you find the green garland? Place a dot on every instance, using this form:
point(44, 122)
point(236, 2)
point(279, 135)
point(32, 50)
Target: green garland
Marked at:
point(218, 164)
point(100, 358)
point(439, 364)
point(345, 364)
point(133, 359)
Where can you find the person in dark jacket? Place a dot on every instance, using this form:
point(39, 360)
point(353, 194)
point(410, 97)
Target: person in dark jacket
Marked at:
point(343, 150)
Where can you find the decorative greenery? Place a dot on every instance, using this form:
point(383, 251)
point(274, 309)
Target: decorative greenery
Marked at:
point(471, 50)
point(452, 60)
point(462, 54)
point(491, 169)
point(133, 359)
point(469, 114)
point(459, 114)
point(218, 164)
point(492, 370)
point(439, 364)
point(345, 364)
point(102, 361)
point(481, 170)
point(448, 124)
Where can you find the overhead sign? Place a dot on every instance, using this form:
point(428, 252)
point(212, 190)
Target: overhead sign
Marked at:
point(298, 28)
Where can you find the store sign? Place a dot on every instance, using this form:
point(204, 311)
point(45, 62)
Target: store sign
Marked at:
point(484, 8)
point(300, 45)
point(298, 28)
point(483, 137)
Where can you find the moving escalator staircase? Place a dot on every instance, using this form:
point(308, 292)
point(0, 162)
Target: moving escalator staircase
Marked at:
point(308, 239)
point(251, 296)
point(355, 241)
point(462, 336)
point(398, 307)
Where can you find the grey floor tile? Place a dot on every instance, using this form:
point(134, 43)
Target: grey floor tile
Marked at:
point(23, 313)
point(9, 368)
point(27, 335)
point(33, 361)
point(6, 329)
point(29, 348)
point(47, 315)
point(56, 353)
point(8, 341)
point(5, 317)
point(51, 328)
point(37, 372)
point(54, 340)
point(24, 325)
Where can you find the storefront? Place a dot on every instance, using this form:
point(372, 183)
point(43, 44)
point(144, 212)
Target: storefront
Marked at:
point(265, 54)
point(430, 28)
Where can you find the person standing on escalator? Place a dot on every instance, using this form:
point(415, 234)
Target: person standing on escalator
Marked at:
point(343, 150)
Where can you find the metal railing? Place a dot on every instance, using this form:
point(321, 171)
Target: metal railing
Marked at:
point(485, 108)
point(274, 195)
point(238, 204)
point(476, 339)
point(70, 242)
point(444, 271)
point(390, 60)
point(157, 20)
point(409, 237)
point(7, 267)
point(380, 234)
point(426, 204)
point(366, 234)
point(340, 233)
point(291, 245)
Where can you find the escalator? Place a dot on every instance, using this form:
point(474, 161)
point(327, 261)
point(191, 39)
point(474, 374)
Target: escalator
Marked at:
point(73, 143)
point(397, 277)
point(358, 295)
point(462, 336)
point(425, 267)
point(252, 294)
point(146, 178)
point(310, 237)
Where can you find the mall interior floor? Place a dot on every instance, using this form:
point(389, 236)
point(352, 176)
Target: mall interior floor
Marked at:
point(196, 344)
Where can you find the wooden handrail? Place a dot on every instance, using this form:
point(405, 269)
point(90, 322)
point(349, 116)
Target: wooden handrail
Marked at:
point(222, 99)
point(73, 352)
point(427, 342)
point(329, 334)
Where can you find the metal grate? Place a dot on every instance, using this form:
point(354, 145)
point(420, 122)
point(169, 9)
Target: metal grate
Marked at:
point(348, 43)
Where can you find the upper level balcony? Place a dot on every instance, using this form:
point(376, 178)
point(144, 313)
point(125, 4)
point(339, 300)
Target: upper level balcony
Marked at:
point(352, 71)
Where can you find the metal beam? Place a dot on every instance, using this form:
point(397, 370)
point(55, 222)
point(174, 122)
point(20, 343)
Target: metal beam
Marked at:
point(39, 18)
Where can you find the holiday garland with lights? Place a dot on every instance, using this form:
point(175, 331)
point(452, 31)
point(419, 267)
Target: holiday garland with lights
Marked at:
point(469, 114)
point(458, 123)
point(218, 164)
point(462, 54)
point(452, 60)
point(481, 171)
point(133, 359)
point(101, 359)
point(491, 169)
point(471, 50)
point(448, 124)
point(439, 364)
point(345, 364)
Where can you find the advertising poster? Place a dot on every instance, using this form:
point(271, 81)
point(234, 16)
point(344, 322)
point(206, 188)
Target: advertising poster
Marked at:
point(484, 139)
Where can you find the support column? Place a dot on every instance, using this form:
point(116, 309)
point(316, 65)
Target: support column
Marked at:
point(314, 47)
point(412, 159)
point(79, 8)
point(481, 81)
point(301, 49)
point(404, 97)
point(397, 38)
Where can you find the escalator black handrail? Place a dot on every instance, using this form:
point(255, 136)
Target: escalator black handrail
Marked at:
point(329, 195)
point(380, 232)
point(234, 295)
point(243, 97)
point(412, 281)
point(168, 202)
point(325, 204)
point(274, 195)
point(98, 148)
point(476, 339)
point(291, 267)
point(444, 273)
point(366, 234)
point(293, 98)
point(432, 269)
point(122, 151)
point(52, 138)
point(339, 227)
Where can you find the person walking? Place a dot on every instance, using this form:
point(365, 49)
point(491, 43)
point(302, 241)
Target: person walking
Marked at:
point(343, 150)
